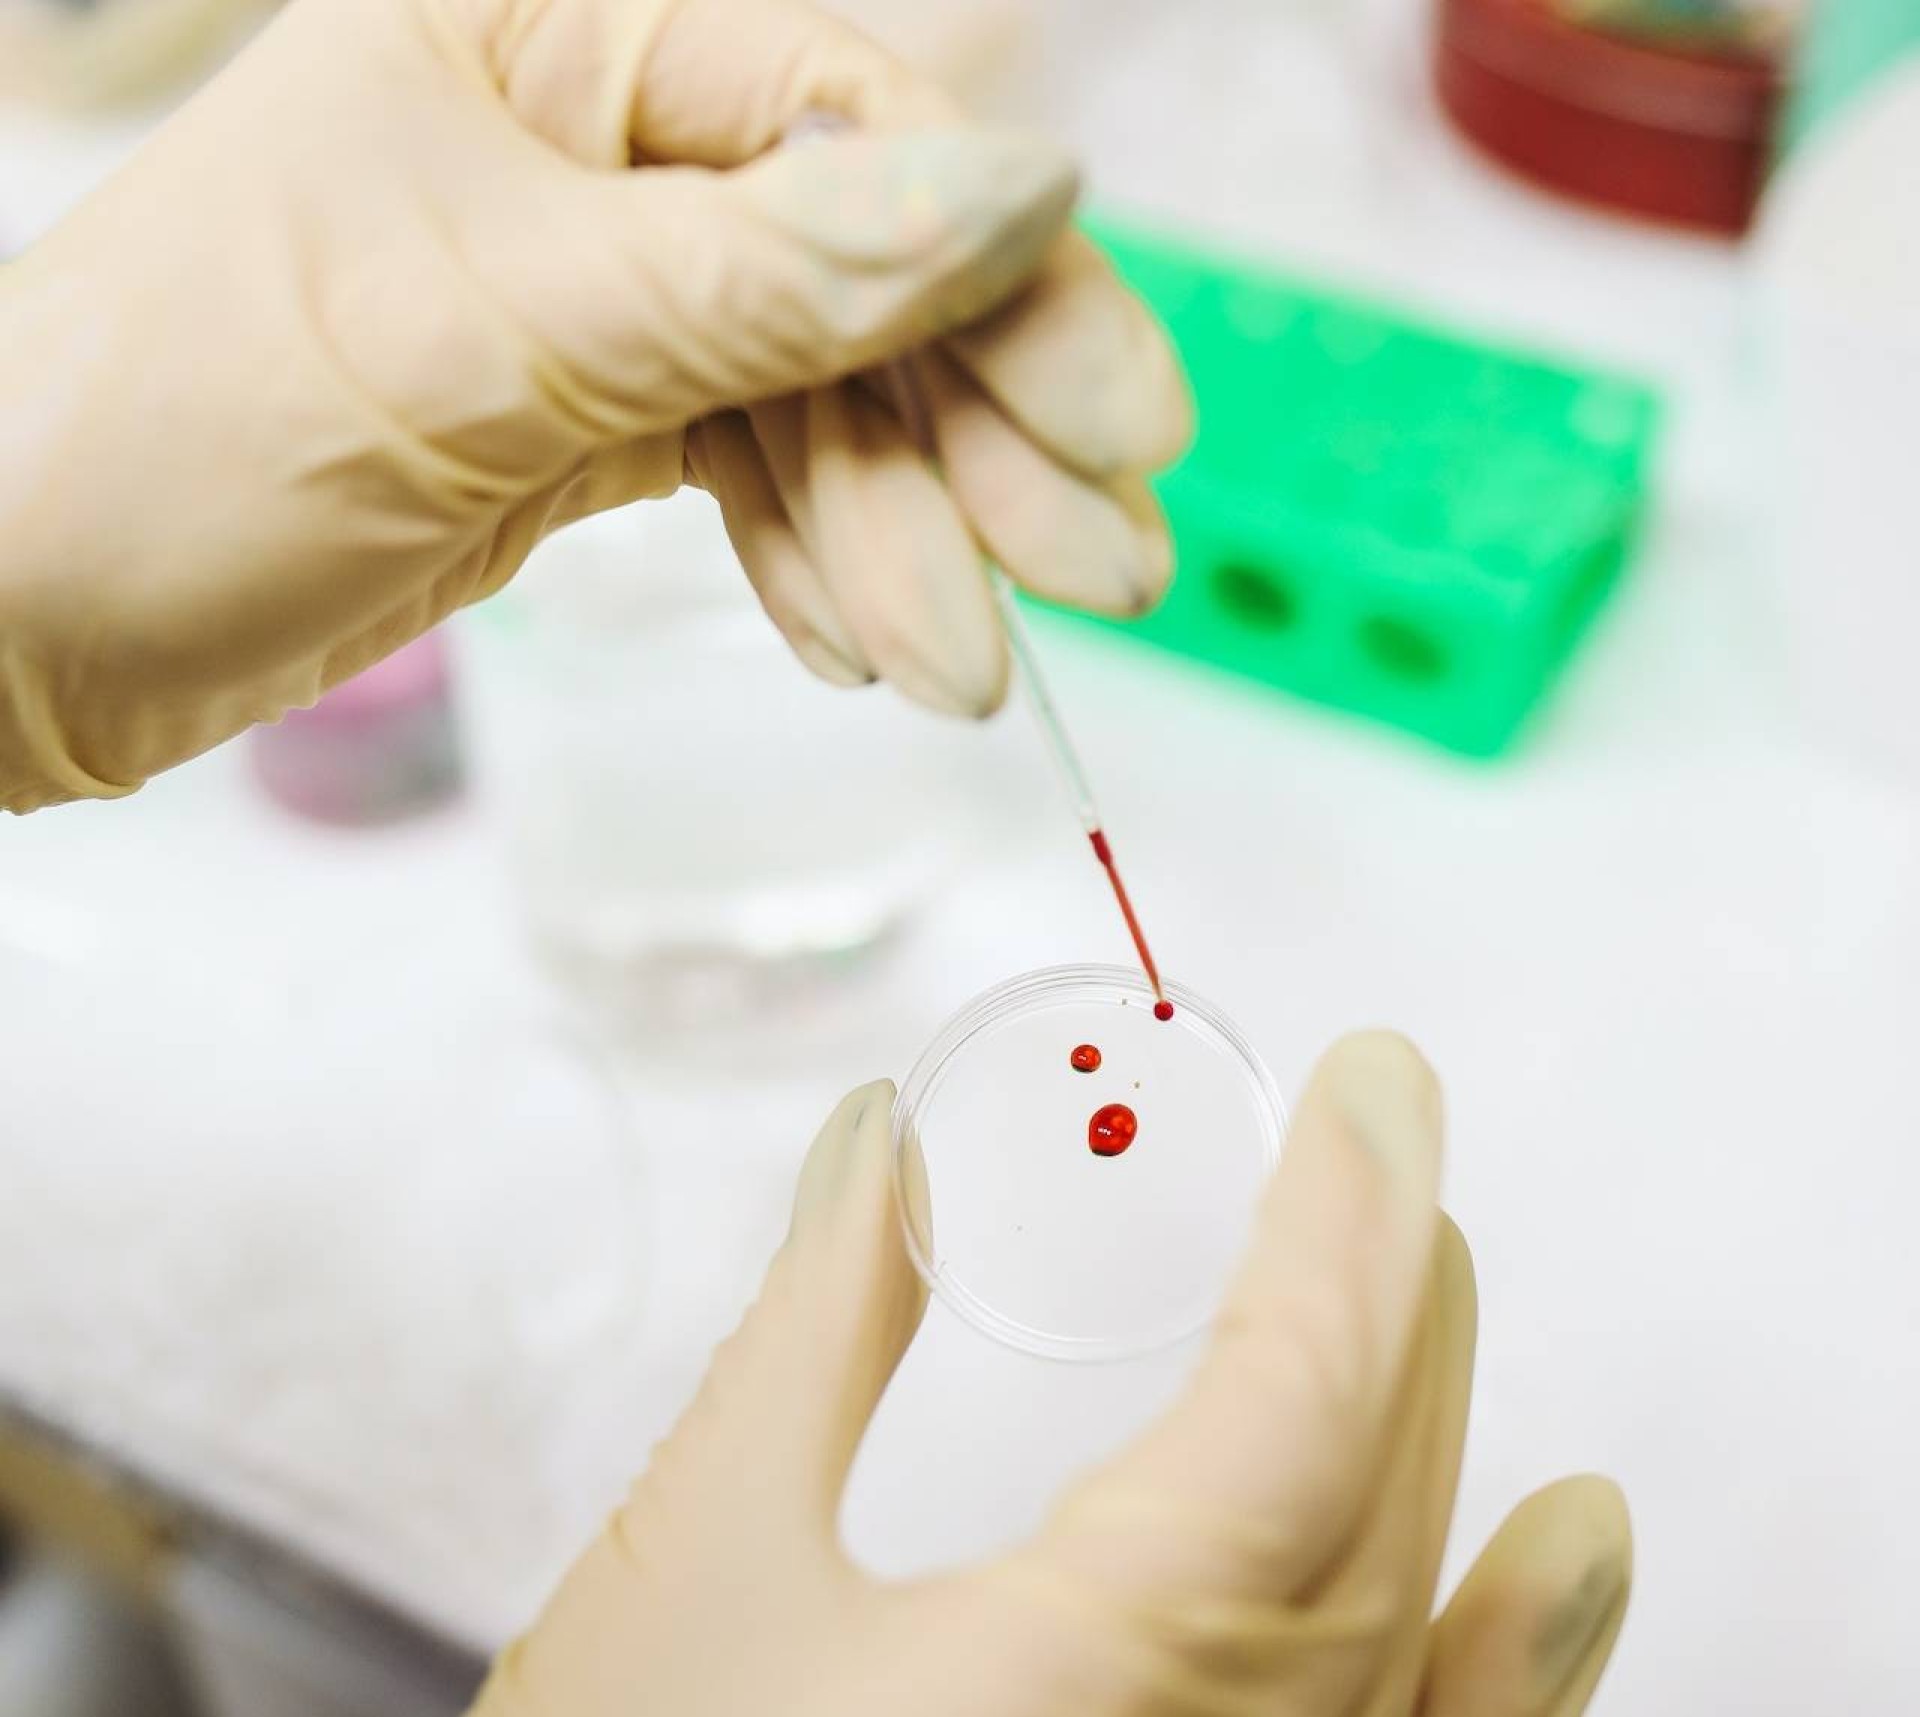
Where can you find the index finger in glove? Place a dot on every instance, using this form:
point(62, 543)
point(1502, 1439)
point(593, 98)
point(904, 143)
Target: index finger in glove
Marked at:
point(1263, 1471)
point(1373, 1586)
point(893, 552)
point(1079, 363)
point(1095, 544)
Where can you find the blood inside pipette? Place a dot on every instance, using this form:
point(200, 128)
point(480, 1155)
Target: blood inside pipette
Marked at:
point(1162, 1008)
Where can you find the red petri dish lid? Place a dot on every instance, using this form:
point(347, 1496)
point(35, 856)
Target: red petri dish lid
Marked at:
point(1675, 133)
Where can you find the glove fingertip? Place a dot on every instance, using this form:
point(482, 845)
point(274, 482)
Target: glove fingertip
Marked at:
point(1389, 1098)
point(1594, 1510)
point(857, 1132)
point(913, 232)
point(1582, 1551)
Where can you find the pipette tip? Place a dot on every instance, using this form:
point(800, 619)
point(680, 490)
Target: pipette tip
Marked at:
point(1103, 851)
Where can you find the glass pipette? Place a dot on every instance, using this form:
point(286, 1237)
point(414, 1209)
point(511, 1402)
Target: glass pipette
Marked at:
point(904, 380)
point(1073, 775)
point(910, 398)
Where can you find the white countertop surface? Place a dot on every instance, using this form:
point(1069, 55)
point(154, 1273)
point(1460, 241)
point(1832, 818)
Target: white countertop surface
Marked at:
point(1668, 961)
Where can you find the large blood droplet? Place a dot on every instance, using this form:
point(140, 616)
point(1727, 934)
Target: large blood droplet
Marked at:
point(1111, 1130)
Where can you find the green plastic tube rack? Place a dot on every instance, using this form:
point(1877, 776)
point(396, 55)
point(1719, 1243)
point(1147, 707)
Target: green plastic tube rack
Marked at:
point(1379, 515)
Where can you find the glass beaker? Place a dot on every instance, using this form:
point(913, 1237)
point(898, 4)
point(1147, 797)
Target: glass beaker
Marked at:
point(691, 817)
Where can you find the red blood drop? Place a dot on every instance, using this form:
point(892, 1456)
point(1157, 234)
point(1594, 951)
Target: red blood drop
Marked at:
point(1085, 1058)
point(1111, 1130)
point(1163, 1010)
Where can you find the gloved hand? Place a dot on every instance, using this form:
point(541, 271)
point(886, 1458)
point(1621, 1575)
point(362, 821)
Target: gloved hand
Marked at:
point(1272, 1545)
point(115, 51)
point(391, 298)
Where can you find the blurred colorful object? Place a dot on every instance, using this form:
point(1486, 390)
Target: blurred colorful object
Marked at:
point(1672, 124)
point(1381, 516)
point(379, 747)
point(94, 53)
point(1758, 25)
point(1847, 46)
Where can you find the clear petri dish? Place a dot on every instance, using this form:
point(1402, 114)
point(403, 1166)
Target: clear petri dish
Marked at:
point(1029, 1232)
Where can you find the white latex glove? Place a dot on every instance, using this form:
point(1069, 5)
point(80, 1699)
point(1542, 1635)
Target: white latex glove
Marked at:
point(1271, 1546)
point(390, 299)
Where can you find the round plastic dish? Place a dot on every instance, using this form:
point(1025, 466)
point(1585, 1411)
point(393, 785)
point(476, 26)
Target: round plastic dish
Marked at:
point(1031, 1235)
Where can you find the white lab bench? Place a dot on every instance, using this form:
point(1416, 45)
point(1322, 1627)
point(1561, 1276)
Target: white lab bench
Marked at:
point(1667, 959)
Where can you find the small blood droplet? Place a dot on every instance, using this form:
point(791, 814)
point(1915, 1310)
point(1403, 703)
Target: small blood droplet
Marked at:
point(1086, 1058)
point(1163, 1010)
point(1111, 1130)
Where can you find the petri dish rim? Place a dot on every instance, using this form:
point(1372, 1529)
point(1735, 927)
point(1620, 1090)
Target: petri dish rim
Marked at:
point(1005, 1000)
